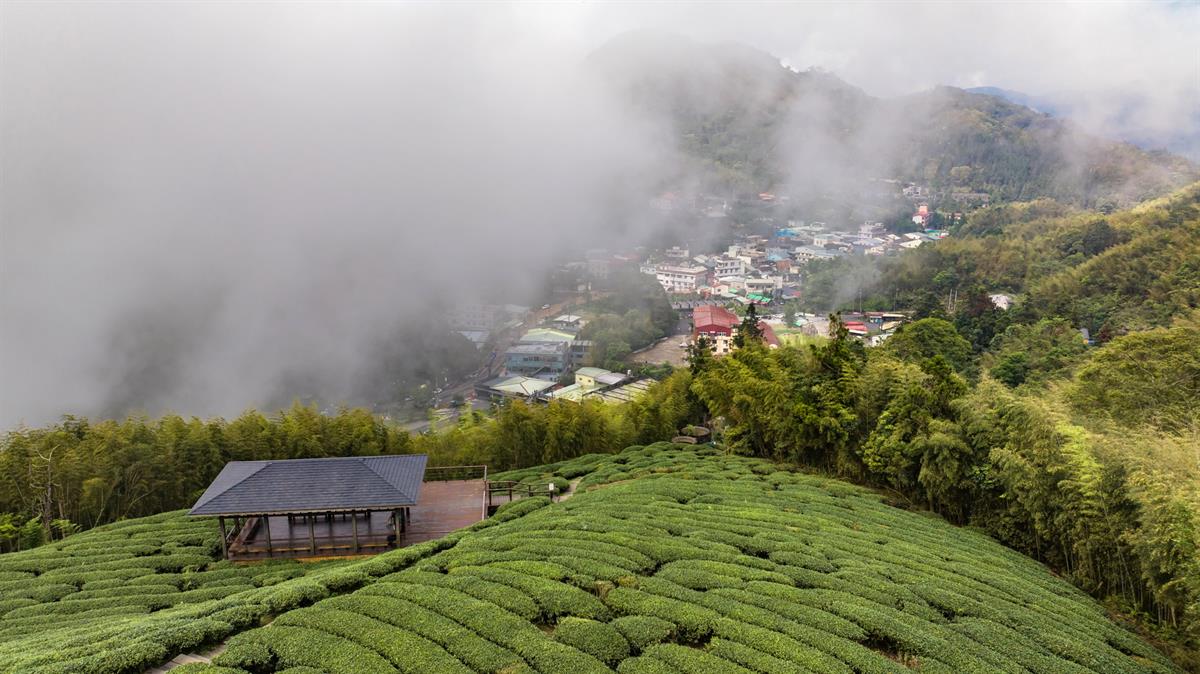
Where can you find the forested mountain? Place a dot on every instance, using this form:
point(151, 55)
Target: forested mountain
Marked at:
point(748, 124)
point(1108, 273)
point(1183, 140)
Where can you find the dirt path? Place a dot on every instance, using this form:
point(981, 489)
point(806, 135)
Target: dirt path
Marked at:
point(570, 489)
point(188, 658)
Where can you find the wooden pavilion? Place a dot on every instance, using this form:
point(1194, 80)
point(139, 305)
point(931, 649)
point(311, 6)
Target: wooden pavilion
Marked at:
point(339, 506)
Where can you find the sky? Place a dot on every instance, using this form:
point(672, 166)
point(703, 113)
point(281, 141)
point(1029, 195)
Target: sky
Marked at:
point(198, 201)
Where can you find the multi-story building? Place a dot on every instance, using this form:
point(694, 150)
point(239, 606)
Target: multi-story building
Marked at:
point(681, 278)
point(729, 266)
point(766, 287)
point(806, 253)
point(547, 360)
point(476, 316)
point(717, 324)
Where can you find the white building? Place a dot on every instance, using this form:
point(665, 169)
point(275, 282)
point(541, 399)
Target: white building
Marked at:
point(729, 266)
point(476, 316)
point(681, 278)
point(764, 286)
point(806, 253)
point(1002, 302)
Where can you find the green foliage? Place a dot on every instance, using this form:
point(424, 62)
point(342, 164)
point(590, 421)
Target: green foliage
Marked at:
point(594, 638)
point(927, 338)
point(1149, 377)
point(643, 630)
point(675, 558)
point(737, 113)
point(130, 595)
point(109, 470)
point(1035, 353)
point(632, 315)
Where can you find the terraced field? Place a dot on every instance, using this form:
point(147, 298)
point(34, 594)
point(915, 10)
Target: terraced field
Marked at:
point(132, 595)
point(679, 559)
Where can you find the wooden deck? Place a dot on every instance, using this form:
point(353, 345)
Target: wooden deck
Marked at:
point(444, 506)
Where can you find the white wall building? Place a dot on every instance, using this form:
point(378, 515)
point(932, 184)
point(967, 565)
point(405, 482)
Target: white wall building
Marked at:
point(681, 278)
point(729, 266)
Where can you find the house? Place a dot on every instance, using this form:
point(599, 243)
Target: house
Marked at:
point(857, 328)
point(542, 359)
point(337, 506)
point(717, 324)
point(476, 316)
point(476, 337)
point(1000, 301)
point(537, 335)
point(677, 253)
point(598, 268)
point(567, 322)
point(621, 393)
point(814, 252)
point(764, 287)
point(923, 216)
point(512, 386)
point(775, 254)
point(729, 266)
point(681, 278)
point(581, 351)
point(593, 377)
point(588, 380)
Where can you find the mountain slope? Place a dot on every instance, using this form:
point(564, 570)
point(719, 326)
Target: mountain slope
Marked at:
point(749, 124)
point(1184, 141)
point(677, 558)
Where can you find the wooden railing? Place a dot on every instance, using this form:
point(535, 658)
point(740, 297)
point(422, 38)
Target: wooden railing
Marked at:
point(504, 491)
point(448, 473)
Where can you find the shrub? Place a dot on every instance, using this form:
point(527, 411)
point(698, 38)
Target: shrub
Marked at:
point(693, 623)
point(407, 651)
point(691, 660)
point(642, 631)
point(753, 659)
point(594, 638)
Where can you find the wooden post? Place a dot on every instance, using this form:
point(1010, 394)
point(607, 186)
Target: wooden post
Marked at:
point(267, 530)
point(404, 519)
point(224, 538)
point(354, 530)
point(312, 535)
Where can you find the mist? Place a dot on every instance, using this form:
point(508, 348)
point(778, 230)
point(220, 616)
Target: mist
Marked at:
point(203, 204)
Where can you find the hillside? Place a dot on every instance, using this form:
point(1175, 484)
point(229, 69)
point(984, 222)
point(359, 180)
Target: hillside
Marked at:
point(667, 558)
point(1110, 273)
point(748, 124)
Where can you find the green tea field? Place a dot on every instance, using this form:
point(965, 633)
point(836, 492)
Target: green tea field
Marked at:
point(681, 559)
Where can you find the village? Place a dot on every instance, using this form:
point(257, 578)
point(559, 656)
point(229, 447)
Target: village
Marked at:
point(541, 355)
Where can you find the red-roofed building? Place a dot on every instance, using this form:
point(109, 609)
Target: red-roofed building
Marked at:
point(857, 328)
point(717, 324)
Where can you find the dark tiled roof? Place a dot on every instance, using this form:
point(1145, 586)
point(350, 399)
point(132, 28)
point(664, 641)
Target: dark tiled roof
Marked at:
point(314, 485)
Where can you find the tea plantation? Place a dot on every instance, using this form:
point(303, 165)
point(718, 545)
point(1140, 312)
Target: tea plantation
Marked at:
point(134, 594)
point(670, 559)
